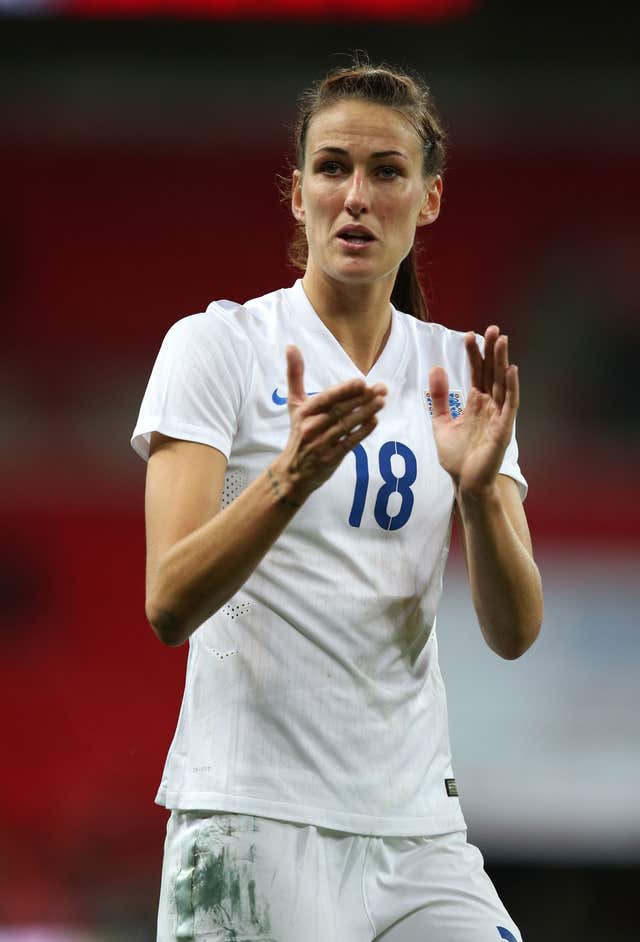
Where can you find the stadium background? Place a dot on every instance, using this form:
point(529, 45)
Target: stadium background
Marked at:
point(137, 182)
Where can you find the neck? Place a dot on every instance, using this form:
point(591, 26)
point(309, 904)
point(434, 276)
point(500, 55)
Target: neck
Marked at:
point(358, 316)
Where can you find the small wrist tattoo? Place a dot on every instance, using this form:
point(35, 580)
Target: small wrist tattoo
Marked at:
point(281, 498)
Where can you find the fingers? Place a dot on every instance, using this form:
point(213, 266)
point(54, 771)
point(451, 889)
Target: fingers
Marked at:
point(491, 334)
point(339, 396)
point(489, 372)
point(295, 375)
point(348, 409)
point(347, 442)
point(439, 391)
point(338, 410)
point(512, 389)
point(501, 365)
point(322, 439)
point(330, 423)
point(475, 359)
point(344, 425)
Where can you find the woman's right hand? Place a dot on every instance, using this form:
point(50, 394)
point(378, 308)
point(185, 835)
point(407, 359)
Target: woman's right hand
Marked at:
point(324, 428)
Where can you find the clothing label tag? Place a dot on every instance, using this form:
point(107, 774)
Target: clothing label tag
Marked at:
point(456, 402)
point(452, 788)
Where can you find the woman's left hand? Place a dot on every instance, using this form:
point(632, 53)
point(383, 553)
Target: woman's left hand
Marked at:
point(471, 447)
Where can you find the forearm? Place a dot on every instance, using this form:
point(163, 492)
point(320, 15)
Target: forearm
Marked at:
point(206, 568)
point(505, 582)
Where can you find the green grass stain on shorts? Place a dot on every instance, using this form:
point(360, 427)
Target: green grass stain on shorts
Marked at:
point(225, 888)
point(210, 880)
point(252, 900)
point(234, 892)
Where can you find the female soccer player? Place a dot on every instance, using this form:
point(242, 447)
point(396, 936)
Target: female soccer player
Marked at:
point(306, 453)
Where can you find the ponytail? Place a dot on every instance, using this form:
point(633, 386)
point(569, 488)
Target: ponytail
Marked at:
point(407, 294)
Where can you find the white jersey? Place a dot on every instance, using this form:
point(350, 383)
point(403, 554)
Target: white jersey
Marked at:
point(315, 694)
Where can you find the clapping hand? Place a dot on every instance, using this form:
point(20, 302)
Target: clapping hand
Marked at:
point(324, 427)
point(471, 447)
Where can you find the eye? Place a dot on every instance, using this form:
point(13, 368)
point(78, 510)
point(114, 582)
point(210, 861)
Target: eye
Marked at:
point(388, 173)
point(331, 167)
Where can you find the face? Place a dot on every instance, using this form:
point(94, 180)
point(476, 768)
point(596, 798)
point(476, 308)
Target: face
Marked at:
point(362, 192)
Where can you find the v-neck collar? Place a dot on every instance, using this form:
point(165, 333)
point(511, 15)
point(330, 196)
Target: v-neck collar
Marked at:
point(392, 352)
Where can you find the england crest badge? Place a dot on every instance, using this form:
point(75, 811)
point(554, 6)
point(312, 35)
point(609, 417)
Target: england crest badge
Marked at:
point(456, 402)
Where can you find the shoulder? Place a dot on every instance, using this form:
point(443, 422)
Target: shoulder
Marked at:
point(222, 317)
point(434, 340)
point(252, 319)
point(430, 329)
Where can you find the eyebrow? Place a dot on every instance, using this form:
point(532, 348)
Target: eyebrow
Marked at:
point(345, 153)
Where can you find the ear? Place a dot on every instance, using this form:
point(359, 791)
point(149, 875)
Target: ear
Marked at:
point(297, 207)
point(430, 209)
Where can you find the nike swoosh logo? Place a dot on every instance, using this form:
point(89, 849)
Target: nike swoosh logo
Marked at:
point(282, 400)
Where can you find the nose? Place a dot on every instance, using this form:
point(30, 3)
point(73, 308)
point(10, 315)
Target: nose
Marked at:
point(357, 199)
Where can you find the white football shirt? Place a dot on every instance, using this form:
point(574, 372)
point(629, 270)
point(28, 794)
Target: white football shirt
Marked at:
point(315, 694)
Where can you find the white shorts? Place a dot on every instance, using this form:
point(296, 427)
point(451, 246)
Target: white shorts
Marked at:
point(238, 878)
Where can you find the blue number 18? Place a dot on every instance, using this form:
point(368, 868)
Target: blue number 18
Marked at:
point(392, 484)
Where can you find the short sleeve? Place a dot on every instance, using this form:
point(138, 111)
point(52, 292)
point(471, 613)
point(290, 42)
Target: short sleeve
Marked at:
point(511, 467)
point(198, 383)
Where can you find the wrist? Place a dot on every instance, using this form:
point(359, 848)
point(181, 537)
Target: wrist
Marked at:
point(285, 485)
point(477, 498)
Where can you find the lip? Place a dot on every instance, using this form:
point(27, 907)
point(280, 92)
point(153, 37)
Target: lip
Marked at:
point(355, 230)
point(353, 247)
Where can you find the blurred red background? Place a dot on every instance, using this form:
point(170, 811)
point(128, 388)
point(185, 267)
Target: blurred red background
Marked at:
point(105, 240)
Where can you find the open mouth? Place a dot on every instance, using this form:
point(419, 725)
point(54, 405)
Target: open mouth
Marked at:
point(356, 238)
point(355, 235)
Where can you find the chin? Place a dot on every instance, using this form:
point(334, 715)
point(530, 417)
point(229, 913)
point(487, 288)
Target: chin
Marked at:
point(356, 271)
point(355, 277)
point(351, 270)
point(362, 274)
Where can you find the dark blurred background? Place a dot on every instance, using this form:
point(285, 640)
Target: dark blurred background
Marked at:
point(140, 144)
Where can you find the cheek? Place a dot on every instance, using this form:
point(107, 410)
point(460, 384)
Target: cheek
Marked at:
point(321, 208)
point(399, 216)
point(413, 204)
point(328, 199)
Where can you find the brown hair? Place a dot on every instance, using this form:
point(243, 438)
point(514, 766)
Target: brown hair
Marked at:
point(385, 85)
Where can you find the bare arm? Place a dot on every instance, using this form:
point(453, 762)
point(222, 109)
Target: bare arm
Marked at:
point(198, 556)
point(505, 582)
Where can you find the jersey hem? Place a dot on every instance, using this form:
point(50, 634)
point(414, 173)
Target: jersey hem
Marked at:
point(141, 438)
point(377, 826)
point(512, 472)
